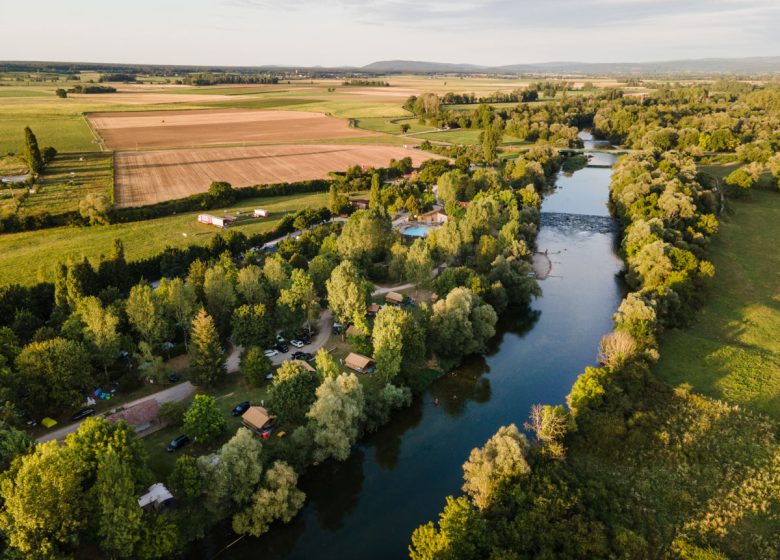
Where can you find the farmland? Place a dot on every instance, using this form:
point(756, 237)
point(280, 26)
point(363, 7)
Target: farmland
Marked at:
point(171, 129)
point(149, 177)
point(24, 256)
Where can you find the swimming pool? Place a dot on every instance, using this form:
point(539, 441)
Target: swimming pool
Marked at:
point(417, 231)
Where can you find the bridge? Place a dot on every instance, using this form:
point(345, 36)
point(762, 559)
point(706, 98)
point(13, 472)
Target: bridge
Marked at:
point(579, 222)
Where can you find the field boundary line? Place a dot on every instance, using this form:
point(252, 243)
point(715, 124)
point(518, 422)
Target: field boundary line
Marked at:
point(95, 133)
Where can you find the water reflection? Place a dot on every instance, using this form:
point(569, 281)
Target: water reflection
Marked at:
point(333, 489)
point(387, 442)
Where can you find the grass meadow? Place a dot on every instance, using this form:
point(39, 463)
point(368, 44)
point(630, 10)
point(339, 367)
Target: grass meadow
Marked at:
point(25, 257)
point(732, 351)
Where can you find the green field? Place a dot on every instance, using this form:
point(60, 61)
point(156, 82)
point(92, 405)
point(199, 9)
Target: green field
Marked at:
point(234, 390)
point(67, 133)
point(392, 125)
point(732, 352)
point(24, 255)
point(68, 179)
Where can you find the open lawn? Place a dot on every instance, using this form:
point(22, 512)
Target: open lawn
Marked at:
point(732, 351)
point(233, 390)
point(392, 125)
point(24, 254)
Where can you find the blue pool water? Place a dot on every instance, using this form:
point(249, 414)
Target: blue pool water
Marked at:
point(417, 231)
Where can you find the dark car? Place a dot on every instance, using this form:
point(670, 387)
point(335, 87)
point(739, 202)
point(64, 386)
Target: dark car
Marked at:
point(282, 347)
point(240, 408)
point(178, 443)
point(305, 356)
point(173, 378)
point(83, 413)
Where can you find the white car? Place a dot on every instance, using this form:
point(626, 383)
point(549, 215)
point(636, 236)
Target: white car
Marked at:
point(270, 353)
point(280, 339)
point(297, 343)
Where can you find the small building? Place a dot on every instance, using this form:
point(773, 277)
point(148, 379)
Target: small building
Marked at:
point(373, 309)
point(436, 216)
point(260, 213)
point(212, 220)
point(359, 362)
point(157, 497)
point(359, 203)
point(256, 418)
point(141, 416)
point(394, 298)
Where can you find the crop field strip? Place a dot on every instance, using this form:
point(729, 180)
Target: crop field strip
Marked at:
point(190, 128)
point(154, 176)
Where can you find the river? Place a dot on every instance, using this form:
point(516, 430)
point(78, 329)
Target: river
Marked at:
point(397, 479)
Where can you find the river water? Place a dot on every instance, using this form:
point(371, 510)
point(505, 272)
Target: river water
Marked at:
point(397, 479)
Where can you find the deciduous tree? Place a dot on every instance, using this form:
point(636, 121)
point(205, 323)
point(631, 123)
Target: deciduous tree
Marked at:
point(335, 416)
point(203, 420)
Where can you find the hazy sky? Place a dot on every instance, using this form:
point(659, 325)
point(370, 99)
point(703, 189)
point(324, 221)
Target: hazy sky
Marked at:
point(356, 32)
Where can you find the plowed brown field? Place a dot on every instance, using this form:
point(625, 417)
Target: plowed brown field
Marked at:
point(155, 176)
point(144, 130)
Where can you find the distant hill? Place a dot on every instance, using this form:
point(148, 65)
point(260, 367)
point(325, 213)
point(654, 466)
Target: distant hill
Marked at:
point(425, 67)
point(752, 65)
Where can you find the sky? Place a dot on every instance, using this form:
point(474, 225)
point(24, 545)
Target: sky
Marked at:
point(357, 32)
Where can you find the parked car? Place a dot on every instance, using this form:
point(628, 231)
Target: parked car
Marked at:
point(173, 377)
point(297, 343)
point(280, 339)
point(240, 408)
point(83, 413)
point(282, 347)
point(270, 353)
point(177, 443)
point(337, 328)
point(306, 356)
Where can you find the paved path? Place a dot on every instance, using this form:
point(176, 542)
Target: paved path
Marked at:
point(171, 394)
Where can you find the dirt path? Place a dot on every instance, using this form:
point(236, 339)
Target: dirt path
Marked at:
point(388, 289)
point(171, 394)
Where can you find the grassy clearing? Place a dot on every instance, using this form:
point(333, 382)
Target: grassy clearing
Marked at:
point(233, 390)
point(68, 179)
point(22, 254)
point(732, 352)
point(465, 136)
point(392, 125)
point(67, 133)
